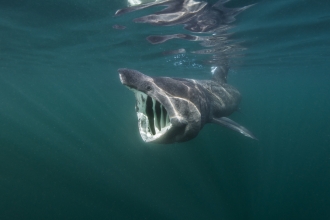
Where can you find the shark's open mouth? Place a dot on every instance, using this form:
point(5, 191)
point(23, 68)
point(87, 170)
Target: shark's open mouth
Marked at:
point(153, 118)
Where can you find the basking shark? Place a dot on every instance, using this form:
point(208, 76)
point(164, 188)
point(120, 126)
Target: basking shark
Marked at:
point(175, 109)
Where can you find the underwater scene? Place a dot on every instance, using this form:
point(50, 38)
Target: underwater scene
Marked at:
point(165, 109)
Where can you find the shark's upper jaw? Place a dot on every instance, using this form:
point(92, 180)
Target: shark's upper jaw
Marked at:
point(153, 118)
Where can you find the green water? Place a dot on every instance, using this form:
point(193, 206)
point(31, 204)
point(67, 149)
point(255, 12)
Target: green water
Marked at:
point(69, 142)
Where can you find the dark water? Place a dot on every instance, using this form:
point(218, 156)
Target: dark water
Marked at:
point(69, 142)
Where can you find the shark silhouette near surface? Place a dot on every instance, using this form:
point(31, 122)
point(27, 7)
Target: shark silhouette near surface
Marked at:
point(173, 110)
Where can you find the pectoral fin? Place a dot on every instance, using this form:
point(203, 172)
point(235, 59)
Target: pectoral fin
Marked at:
point(234, 126)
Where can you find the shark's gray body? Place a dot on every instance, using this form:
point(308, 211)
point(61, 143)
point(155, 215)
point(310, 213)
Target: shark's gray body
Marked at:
point(176, 109)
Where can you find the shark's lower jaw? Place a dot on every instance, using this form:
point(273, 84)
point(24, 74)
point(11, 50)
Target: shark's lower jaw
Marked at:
point(153, 119)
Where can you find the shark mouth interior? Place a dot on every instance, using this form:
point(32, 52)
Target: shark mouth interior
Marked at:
point(153, 118)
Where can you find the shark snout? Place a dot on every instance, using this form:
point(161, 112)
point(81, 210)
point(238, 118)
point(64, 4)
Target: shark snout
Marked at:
point(133, 78)
point(122, 75)
point(122, 79)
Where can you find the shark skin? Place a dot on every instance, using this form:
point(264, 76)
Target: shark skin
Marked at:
point(173, 110)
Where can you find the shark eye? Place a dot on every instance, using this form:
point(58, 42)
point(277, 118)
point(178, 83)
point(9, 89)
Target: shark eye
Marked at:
point(148, 88)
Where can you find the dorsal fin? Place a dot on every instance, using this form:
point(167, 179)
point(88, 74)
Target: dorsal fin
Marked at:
point(220, 73)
